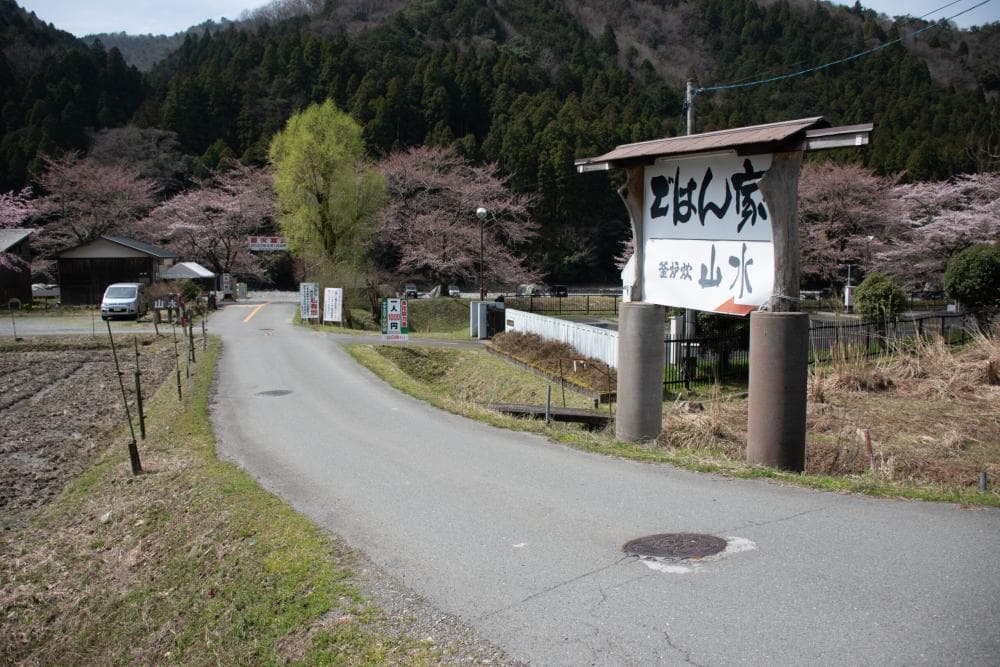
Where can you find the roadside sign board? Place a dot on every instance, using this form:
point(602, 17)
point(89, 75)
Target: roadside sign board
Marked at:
point(707, 233)
point(333, 304)
point(309, 301)
point(395, 325)
point(267, 243)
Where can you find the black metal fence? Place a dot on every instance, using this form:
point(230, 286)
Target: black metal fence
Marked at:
point(877, 338)
point(719, 358)
point(574, 303)
point(725, 357)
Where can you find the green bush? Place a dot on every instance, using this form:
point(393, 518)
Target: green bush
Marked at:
point(879, 297)
point(973, 276)
point(188, 290)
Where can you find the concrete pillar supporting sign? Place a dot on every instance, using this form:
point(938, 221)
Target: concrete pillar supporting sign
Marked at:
point(640, 372)
point(779, 372)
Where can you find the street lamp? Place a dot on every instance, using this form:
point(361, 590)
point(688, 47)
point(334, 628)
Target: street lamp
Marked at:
point(481, 214)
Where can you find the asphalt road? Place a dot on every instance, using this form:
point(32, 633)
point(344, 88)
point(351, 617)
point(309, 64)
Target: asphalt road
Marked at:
point(521, 538)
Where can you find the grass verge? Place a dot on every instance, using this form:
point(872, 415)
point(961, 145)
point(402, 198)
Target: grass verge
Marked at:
point(708, 440)
point(444, 318)
point(190, 562)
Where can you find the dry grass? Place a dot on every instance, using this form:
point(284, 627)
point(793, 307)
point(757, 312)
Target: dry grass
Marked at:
point(545, 355)
point(474, 377)
point(932, 413)
point(715, 424)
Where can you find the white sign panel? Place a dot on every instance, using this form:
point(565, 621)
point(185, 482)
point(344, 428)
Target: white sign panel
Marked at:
point(395, 324)
point(333, 304)
point(309, 301)
point(707, 233)
point(267, 243)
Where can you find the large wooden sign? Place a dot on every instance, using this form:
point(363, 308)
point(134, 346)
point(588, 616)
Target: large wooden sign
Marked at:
point(707, 233)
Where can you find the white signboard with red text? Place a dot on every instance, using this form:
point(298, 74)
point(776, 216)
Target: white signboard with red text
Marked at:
point(707, 233)
point(395, 325)
point(309, 301)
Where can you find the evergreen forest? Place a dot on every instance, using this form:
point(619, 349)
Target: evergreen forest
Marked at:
point(527, 84)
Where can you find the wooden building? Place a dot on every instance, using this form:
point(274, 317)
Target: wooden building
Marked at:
point(15, 282)
point(85, 271)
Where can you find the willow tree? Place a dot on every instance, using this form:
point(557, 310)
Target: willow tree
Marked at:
point(328, 193)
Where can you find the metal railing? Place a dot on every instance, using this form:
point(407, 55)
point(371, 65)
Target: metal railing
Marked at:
point(725, 357)
point(574, 303)
point(880, 338)
point(720, 358)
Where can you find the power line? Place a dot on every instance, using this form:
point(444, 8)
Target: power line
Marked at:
point(747, 84)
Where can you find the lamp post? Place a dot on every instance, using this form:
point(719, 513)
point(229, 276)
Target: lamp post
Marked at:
point(481, 214)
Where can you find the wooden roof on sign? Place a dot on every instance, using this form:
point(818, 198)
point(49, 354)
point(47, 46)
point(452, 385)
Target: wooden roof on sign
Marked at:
point(771, 137)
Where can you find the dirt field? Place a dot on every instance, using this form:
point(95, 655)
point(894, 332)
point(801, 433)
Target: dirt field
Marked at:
point(59, 400)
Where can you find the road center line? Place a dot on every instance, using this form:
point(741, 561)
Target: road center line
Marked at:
point(255, 311)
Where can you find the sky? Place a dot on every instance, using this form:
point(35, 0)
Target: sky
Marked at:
point(139, 17)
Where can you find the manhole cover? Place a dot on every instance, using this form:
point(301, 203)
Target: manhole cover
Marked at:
point(275, 392)
point(675, 545)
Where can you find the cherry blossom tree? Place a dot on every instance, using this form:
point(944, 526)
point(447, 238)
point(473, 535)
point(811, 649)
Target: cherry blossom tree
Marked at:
point(85, 200)
point(15, 208)
point(210, 224)
point(939, 220)
point(840, 207)
point(430, 228)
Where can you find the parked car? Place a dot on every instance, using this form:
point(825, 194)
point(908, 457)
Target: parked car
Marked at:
point(558, 290)
point(530, 289)
point(125, 300)
point(410, 291)
point(454, 291)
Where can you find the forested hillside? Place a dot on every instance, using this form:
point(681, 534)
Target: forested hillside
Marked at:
point(529, 84)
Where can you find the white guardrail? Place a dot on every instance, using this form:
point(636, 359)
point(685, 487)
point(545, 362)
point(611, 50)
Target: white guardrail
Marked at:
point(590, 341)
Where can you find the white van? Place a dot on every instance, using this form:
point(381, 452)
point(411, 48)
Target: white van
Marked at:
point(125, 300)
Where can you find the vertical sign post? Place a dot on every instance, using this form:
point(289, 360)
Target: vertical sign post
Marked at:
point(333, 304)
point(395, 325)
point(309, 301)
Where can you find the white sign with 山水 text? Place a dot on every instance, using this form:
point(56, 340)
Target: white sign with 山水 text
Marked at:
point(707, 233)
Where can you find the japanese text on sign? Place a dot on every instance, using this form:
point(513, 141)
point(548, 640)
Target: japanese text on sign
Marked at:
point(714, 197)
point(707, 233)
point(333, 304)
point(267, 243)
point(394, 320)
point(309, 301)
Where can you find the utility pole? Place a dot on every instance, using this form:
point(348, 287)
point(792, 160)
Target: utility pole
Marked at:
point(690, 316)
point(689, 101)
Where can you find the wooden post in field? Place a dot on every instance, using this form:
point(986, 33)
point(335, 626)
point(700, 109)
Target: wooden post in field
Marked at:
point(133, 450)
